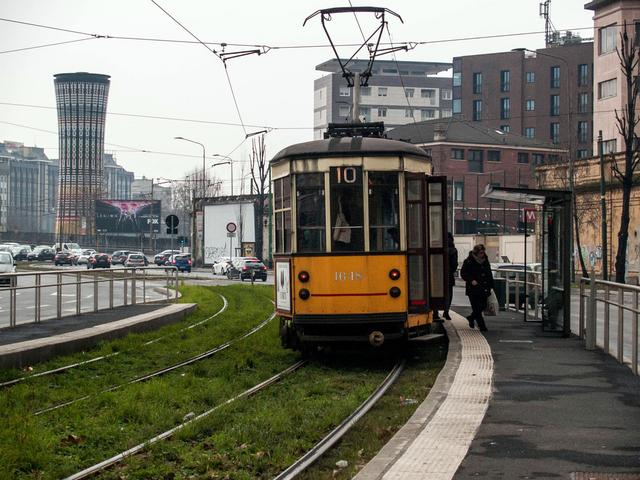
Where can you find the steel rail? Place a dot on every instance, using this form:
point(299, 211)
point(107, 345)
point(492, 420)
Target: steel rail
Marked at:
point(8, 383)
point(337, 433)
point(162, 371)
point(127, 453)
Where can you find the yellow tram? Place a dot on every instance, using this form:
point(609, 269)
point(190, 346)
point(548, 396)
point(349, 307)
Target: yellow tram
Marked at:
point(360, 241)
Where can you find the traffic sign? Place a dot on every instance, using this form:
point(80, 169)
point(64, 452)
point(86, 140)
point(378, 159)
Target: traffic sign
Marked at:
point(231, 227)
point(172, 221)
point(231, 234)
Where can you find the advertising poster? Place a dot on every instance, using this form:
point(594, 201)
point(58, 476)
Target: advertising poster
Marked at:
point(127, 216)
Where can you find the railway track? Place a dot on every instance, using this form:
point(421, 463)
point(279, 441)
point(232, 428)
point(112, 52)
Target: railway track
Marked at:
point(87, 472)
point(64, 368)
point(157, 373)
point(337, 433)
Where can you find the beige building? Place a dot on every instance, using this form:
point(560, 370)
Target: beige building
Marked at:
point(609, 20)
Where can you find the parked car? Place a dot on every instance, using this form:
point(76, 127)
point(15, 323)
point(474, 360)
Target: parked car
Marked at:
point(133, 260)
point(83, 258)
point(119, 257)
point(247, 269)
point(146, 260)
point(162, 257)
point(221, 266)
point(64, 258)
point(41, 252)
point(182, 262)
point(20, 252)
point(99, 260)
point(7, 265)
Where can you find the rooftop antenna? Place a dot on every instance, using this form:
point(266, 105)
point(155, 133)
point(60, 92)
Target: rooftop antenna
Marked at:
point(373, 48)
point(550, 32)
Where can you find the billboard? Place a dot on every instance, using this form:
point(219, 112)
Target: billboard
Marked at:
point(216, 217)
point(127, 216)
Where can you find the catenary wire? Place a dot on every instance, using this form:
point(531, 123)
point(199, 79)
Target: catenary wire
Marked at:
point(48, 45)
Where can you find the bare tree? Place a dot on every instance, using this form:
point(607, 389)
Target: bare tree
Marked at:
point(627, 121)
point(259, 185)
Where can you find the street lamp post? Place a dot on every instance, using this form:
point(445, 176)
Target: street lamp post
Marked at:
point(230, 162)
point(204, 166)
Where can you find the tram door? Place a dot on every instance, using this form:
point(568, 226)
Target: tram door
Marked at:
point(553, 240)
point(426, 242)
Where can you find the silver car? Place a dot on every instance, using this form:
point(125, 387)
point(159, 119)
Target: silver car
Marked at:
point(7, 265)
point(134, 260)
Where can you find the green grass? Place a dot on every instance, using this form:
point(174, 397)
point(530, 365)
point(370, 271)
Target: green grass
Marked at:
point(255, 437)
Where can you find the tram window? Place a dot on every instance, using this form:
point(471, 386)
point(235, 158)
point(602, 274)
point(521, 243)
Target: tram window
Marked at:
point(384, 213)
point(282, 203)
point(310, 212)
point(347, 217)
point(435, 226)
point(414, 225)
point(416, 281)
point(436, 274)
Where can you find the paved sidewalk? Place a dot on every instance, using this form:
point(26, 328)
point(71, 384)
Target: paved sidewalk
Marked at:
point(516, 403)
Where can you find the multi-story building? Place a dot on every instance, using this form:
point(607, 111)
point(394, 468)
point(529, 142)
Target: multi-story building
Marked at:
point(546, 95)
point(28, 189)
point(609, 20)
point(82, 107)
point(142, 188)
point(398, 93)
point(117, 181)
point(472, 156)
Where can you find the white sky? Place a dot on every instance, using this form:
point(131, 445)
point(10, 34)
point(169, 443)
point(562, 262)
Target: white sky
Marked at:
point(187, 81)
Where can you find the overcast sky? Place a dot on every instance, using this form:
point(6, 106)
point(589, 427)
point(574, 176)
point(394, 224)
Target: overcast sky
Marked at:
point(186, 81)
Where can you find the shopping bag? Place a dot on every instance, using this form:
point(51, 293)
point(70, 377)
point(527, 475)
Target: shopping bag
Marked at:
point(492, 305)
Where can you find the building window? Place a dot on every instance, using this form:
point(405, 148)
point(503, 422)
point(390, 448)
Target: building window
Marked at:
point(583, 103)
point(505, 128)
point(457, 105)
point(583, 131)
point(382, 112)
point(458, 191)
point(446, 112)
point(408, 112)
point(382, 91)
point(608, 88)
point(554, 128)
point(530, 105)
point(538, 158)
point(554, 103)
point(426, 114)
point(457, 153)
point(365, 91)
point(505, 80)
point(583, 153)
point(530, 77)
point(345, 92)
point(365, 112)
point(555, 77)
point(457, 79)
point(408, 92)
point(523, 157)
point(607, 39)
point(493, 155)
point(475, 161)
point(583, 75)
point(427, 93)
point(609, 146)
point(505, 108)
point(530, 132)
point(344, 111)
point(477, 83)
point(477, 110)
point(446, 94)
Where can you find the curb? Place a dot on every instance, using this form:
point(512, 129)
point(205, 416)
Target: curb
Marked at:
point(18, 355)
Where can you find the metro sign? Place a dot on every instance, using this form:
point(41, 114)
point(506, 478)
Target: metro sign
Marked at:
point(529, 215)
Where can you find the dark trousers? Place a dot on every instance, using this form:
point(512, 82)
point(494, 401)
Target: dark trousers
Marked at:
point(450, 299)
point(478, 304)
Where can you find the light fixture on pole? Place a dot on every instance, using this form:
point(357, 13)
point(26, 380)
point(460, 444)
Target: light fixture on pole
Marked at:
point(229, 161)
point(204, 167)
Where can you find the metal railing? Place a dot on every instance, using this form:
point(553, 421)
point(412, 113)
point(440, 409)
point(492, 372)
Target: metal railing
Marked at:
point(125, 286)
point(602, 330)
point(523, 293)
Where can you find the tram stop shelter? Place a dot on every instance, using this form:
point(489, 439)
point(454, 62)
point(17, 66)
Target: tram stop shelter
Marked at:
point(556, 241)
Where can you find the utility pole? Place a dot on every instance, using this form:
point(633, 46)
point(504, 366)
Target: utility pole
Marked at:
point(603, 211)
point(355, 114)
point(151, 220)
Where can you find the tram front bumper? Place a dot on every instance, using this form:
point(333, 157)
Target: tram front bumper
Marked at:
point(349, 328)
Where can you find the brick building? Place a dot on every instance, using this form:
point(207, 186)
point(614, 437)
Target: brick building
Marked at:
point(546, 95)
point(471, 157)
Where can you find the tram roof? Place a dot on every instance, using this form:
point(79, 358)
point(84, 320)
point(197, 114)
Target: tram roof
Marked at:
point(349, 146)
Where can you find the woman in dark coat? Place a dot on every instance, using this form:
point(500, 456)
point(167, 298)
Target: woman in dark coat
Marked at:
point(476, 272)
point(453, 266)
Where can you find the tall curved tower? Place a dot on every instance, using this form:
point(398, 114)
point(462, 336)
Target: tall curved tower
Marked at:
point(82, 106)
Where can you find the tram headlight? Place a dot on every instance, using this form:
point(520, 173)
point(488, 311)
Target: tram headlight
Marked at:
point(304, 294)
point(394, 292)
point(303, 276)
point(394, 274)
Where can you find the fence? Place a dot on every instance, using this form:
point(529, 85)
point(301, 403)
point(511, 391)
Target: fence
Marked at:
point(128, 286)
point(522, 293)
point(599, 329)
